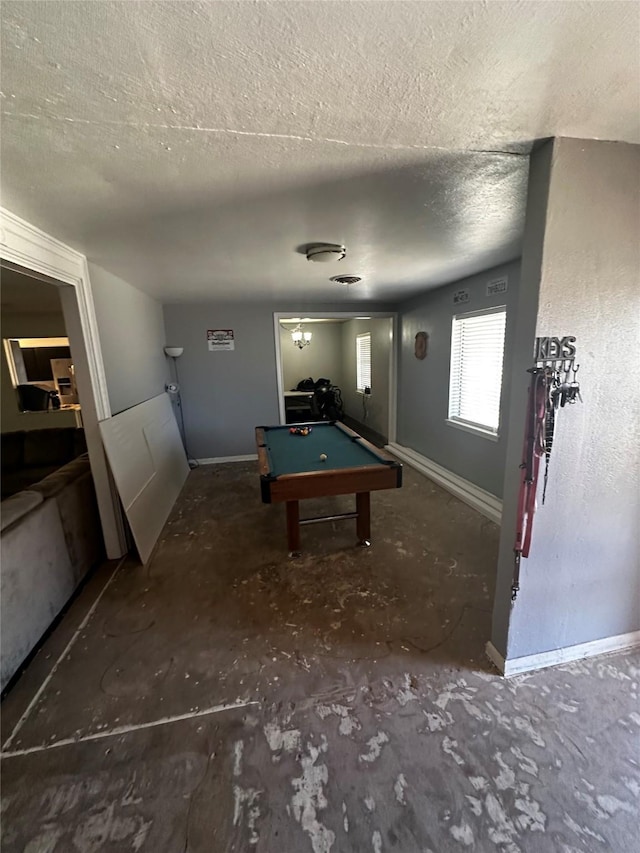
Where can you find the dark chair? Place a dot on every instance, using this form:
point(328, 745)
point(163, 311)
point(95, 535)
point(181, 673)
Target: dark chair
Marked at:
point(32, 398)
point(328, 403)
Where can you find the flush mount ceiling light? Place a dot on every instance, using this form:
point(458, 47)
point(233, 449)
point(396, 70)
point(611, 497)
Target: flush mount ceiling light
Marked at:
point(346, 279)
point(322, 253)
point(301, 338)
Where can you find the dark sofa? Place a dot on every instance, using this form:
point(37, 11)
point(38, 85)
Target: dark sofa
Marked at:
point(50, 536)
point(29, 456)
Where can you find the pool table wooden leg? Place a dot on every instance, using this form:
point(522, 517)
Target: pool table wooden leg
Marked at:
point(363, 521)
point(293, 528)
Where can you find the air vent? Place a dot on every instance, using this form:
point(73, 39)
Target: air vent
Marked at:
point(346, 279)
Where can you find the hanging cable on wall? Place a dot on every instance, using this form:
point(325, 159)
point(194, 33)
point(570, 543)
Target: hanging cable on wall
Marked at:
point(366, 396)
point(173, 389)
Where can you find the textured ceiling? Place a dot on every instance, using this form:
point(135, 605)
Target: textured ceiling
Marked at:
point(192, 148)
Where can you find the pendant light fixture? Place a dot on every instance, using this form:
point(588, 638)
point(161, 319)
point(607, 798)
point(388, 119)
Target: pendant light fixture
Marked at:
point(300, 338)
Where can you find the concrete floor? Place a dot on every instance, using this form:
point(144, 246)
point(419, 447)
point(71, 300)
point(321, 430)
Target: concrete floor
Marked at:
point(225, 698)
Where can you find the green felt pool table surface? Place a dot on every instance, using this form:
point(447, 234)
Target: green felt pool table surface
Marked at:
point(296, 454)
point(291, 471)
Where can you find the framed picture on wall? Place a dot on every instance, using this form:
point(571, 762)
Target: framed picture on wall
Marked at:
point(220, 339)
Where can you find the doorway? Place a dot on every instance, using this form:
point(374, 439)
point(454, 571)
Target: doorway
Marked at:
point(352, 355)
point(27, 250)
point(46, 382)
point(39, 388)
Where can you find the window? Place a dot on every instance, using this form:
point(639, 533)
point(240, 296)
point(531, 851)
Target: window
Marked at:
point(475, 381)
point(363, 362)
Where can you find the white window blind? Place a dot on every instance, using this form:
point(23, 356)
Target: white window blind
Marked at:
point(475, 381)
point(363, 361)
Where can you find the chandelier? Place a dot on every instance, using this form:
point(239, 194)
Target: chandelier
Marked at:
point(300, 339)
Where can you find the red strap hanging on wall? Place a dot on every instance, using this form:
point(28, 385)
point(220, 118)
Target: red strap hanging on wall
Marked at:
point(533, 451)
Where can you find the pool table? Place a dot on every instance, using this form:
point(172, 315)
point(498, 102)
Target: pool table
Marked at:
point(291, 469)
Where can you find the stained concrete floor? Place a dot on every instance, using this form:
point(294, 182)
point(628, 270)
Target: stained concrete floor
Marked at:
point(226, 698)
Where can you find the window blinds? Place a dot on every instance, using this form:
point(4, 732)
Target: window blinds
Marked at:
point(475, 383)
point(363, 361)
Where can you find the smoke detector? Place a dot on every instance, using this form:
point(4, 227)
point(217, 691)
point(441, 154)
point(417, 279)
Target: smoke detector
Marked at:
point(322, 253)
point(346, 279)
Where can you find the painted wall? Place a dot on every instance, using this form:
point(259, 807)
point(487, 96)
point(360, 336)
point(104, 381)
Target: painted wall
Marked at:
point(131, 329)
point(526, 309)
point(321, 359)
point(581, 582)
point(26, 326)
point(226, 395)
point(423, 387)
point(377, 413)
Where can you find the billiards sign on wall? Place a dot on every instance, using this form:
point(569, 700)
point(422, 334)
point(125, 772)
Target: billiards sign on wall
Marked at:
point(497, 285)
point(220, 339)
point(460, 297)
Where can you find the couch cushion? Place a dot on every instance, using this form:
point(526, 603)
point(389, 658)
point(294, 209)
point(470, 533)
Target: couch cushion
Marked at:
point(48, 446)
point(12, 450)
point(14, 508)
point(79, 442)
point(81, 523)
point(61, 477)
point(18, 481)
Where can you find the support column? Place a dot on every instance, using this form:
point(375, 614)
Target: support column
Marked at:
point(580, 276)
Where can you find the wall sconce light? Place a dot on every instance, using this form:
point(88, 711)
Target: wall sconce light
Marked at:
point(173, 389)
point(300, 339)
point(173, 352)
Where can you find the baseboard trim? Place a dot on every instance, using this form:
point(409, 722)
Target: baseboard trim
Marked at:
point(365, 431)
point(218, 460)
point(530, 663)
point(495, 657)
point(486, 503)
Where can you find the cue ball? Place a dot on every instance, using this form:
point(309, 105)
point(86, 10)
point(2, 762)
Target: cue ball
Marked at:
point(323, 457)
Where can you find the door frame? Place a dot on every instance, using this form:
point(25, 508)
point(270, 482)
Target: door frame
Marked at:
point(344, 315)
point(40, 255)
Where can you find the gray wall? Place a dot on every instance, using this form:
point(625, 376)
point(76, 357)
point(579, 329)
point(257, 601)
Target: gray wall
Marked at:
point(582, 580)
point(132, 338)
point(226, 394)
point(423, 388)
point(321, 359)
point(525, 331)
point(378, 404)
point(27, 326)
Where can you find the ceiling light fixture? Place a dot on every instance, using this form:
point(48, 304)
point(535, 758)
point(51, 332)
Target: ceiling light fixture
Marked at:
point(322, 253)
point(300, 338)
